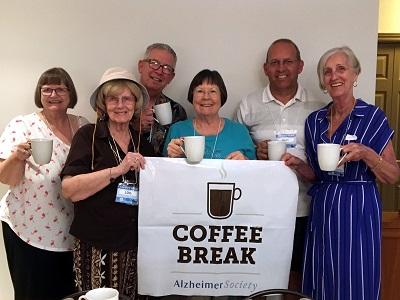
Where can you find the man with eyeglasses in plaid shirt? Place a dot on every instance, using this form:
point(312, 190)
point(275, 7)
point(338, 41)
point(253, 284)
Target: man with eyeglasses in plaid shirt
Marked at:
point(157, 69)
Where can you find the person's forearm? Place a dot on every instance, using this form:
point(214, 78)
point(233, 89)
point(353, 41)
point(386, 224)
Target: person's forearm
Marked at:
point(82, 186)
point(384, 166)
point(385, 171)
point(12, 170)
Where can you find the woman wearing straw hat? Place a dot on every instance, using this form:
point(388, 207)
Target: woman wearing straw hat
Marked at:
point(101, 178)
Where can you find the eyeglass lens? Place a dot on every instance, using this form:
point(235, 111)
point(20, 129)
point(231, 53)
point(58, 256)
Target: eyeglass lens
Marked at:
point(115, 99)
point(59, 91)
point(155, 65)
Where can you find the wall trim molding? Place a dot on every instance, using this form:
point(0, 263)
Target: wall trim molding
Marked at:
point(388, 37)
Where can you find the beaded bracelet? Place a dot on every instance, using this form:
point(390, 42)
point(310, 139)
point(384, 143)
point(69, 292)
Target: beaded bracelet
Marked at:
point(378, 163)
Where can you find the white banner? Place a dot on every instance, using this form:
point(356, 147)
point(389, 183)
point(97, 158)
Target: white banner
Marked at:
point(221, 227)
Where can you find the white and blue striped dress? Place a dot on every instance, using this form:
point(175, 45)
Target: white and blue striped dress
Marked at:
point(343, 244)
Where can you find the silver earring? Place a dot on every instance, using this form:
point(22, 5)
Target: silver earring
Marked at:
point(355, 83)
point(325, 91)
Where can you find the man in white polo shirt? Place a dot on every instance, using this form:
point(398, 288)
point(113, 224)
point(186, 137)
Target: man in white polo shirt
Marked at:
point(278, 112)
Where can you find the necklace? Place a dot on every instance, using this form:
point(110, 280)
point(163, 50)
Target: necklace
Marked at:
point(55, 130)
point(348, 122)
point(216, 137)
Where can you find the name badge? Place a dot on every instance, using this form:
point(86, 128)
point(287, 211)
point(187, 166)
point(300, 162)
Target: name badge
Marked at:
point(351, 137)
point(127, 193)
point(289, 136)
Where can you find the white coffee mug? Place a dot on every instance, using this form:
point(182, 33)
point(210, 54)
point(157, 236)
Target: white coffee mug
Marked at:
point(194, 148)
point(329, 156)
point(276, 149)
point(42, 150)
point(163, 113)
point(101, 294)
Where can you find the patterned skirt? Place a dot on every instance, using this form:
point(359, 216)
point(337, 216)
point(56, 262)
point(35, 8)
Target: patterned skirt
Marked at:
point(96, 268)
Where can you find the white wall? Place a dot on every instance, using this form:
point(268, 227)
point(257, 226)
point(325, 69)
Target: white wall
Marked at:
point(86, 37)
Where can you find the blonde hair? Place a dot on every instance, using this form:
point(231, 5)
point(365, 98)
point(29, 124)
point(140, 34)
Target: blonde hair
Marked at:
point(114, 87)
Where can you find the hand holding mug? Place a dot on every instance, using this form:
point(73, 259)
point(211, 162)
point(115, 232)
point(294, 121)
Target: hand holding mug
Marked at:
point(174, 148)
point(328, 155)
point(163, 113)
point(42, 150)
point(276, 149)
point(262, 150)
point(355, 152)
point(147, 119)
point(23, 151)
point(194, 148)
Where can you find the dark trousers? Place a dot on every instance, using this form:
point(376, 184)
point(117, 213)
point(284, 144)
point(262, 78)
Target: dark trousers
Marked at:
point(298, 244)
point(37, 274)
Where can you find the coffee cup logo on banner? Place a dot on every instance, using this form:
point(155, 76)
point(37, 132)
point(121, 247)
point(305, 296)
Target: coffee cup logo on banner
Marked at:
point(220, 198)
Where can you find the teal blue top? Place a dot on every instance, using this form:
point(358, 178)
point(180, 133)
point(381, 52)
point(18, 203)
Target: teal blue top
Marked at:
point(233, 137)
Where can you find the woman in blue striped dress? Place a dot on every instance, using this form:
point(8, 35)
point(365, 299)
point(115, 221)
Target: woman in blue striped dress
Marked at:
point(343, 245)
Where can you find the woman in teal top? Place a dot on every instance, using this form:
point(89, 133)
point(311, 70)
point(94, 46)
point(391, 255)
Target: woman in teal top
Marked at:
point(224, 139)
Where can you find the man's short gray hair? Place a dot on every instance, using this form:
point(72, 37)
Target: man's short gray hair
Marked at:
point(160, 46)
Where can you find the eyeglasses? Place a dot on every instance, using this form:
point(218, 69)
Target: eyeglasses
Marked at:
point(47, 91)
point(155, 65)
point(114, 100)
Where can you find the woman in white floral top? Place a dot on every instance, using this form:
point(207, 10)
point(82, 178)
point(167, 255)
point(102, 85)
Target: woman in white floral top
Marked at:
point(35, 217)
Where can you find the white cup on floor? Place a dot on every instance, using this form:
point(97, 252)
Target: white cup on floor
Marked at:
point(101, 294)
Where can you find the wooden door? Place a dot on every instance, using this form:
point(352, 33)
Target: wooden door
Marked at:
point(387, 96)
point(390, 255)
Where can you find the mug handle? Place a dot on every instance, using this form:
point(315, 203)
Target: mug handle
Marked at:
point(83, 297)
point(341, 159)
point(234, 192)
point(183, 150)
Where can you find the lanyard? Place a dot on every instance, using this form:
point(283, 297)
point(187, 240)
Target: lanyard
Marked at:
point(216, 138)
point(118, 157)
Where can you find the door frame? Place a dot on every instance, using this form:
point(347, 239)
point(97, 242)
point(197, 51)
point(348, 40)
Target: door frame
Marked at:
point(388, 38)
point(391, 38)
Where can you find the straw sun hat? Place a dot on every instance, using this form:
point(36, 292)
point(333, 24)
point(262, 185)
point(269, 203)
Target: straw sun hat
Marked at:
point(120, 73)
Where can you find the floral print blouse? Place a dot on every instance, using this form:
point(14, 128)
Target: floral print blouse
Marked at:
point(35, 208)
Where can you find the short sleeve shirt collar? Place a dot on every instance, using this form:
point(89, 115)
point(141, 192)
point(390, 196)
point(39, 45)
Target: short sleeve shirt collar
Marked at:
point(299, 96)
